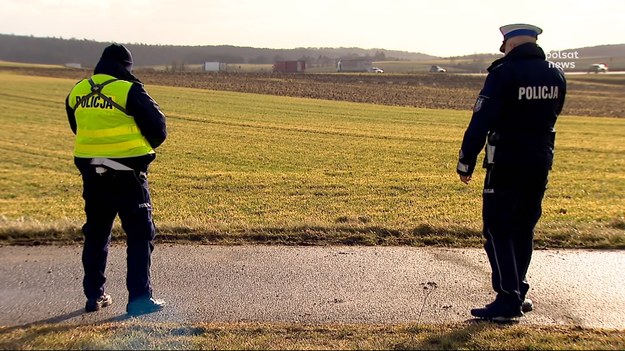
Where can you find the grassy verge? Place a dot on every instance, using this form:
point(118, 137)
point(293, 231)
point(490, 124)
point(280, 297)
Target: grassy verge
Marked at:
point(579, 237)
point(245, 168)
point(256, 336)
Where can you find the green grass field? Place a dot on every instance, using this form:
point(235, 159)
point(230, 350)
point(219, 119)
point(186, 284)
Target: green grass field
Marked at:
point(19, 64)
point(240, 168)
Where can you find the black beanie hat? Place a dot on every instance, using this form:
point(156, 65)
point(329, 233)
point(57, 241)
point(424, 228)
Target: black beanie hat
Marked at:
point(118, 53)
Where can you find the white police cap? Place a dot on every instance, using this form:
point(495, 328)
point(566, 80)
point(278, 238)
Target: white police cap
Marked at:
point(513, 30)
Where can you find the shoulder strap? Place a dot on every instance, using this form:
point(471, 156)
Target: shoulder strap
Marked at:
point(96, 89)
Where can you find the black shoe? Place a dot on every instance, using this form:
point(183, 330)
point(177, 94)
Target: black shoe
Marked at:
point(527, 306)
point(498, 311)
point(93, 305)
point(144, 305)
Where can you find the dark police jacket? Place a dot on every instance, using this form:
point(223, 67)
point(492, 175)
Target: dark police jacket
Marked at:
point(516, 111)
point(140, 105)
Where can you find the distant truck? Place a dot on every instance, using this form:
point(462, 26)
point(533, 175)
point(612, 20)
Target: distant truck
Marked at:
point(214, 66)
point(354, 65)
point(289, 66)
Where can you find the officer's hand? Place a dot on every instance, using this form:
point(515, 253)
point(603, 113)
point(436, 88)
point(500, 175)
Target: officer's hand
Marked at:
point(465, 178)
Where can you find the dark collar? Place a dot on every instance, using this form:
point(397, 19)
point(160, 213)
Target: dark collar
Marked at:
point(521, 52)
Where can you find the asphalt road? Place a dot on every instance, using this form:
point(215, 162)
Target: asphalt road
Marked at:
point(313, 285)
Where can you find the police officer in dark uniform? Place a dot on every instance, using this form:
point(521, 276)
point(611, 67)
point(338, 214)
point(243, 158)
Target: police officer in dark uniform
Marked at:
point(514, 115)
point(117, 126)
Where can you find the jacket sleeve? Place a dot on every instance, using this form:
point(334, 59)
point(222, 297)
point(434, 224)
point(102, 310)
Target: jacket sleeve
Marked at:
point(562, 95)
point(487, 109)
point(147, 114)
point(71, 118)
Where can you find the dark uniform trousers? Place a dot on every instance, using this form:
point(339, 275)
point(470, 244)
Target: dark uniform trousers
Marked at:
point(511, 208)
point(106, 195)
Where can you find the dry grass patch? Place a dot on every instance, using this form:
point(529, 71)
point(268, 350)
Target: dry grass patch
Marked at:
point(128, 335)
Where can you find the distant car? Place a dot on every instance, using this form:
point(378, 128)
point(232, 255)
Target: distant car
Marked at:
point(437, 69)
point(598, 68)
point(376, 70)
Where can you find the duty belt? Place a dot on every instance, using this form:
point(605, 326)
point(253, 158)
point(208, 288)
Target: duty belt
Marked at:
point(109, 164)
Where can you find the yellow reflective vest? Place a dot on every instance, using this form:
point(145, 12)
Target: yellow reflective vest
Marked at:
point(104, 129)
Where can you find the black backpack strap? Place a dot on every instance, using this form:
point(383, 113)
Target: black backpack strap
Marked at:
point(96, 89)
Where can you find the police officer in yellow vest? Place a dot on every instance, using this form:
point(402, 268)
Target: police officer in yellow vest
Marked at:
point(117, 126)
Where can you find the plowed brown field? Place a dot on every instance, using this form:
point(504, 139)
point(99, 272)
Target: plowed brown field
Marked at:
point(588, 95)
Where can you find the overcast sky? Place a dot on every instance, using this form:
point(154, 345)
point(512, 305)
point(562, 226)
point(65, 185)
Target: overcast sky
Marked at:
point(435, 27)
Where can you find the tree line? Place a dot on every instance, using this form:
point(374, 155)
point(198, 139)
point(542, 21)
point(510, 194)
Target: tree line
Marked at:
point(29, 49)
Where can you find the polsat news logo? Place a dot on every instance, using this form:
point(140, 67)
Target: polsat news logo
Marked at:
point(561, 56)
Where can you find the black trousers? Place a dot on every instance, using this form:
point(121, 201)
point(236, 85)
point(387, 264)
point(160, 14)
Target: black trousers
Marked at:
point(512, 205)
point(106, 195)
